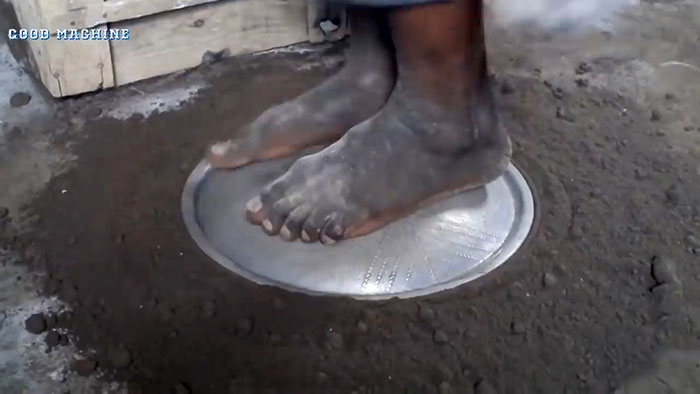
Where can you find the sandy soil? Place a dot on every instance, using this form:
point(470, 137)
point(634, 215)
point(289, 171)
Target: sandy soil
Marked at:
point(608, 284)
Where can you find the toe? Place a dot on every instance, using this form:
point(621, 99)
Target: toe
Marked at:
point(291, 230)
point(227, 155)
point(332, 230)
point(276, 215)
point(260, 208)
point(311, 231)
point(255, 210)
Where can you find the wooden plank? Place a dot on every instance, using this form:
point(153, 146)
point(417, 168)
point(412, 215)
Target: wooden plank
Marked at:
point(65, 67)
point(79, 14)
point(170, 42)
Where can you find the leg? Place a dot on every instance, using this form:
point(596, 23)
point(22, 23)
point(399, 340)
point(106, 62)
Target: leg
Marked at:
point(325, 113)
point(437, 133)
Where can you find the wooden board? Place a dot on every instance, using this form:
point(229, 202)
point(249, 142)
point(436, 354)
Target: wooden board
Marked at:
point(79, 14)
point(55, 62)
point(165, 36)
point(176, 41)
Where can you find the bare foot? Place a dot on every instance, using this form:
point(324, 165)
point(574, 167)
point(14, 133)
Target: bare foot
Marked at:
point(438, 133)
point(325, 113)
point(378, 172)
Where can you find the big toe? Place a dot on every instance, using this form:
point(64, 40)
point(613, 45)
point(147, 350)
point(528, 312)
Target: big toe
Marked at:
point(228, 154)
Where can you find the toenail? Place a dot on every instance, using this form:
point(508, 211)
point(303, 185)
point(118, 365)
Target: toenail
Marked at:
point(338, 230)
point(326, 240)
point(254, 205)
point(267, 225)
point(305, 236)
point(221, 148)
point(285, 233)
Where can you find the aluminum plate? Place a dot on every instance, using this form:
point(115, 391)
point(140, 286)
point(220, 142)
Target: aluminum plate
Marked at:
point(444, 245)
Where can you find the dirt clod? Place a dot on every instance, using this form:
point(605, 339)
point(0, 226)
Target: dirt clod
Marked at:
point(53, 339)
point(439, 336)
point(664, 270)
point(564, 114)
point(583, 68)
point(655, 115)
point(85, 367)
point(549, 280)
point(517, 327)
point(35, 324)
point(20, 99)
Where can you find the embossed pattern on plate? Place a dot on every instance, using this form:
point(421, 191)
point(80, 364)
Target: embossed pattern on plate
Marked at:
point(441, 246)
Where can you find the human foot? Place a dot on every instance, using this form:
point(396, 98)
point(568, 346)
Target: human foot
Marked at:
point(325, 113)
point(378, 172)
point(438, 133)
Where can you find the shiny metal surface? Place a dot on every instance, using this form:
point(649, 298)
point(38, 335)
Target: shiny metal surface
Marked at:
point(452, 242)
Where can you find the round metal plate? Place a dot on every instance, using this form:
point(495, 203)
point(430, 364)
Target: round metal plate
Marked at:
point(444, 245)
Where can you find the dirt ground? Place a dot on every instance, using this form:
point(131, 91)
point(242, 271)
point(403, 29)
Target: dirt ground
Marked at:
point(604, 298)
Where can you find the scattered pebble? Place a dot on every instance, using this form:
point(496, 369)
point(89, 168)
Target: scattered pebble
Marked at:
point(53, 338)
point(362, 326)
point(120, 357)
point(20, 99)
point(439, 336)
point(583, 68)
point(670, 96)
point(85, 367)
point(549, 280)
point(35, 324)
point(655, 115)
point(558, 93)
point(199, 23)
point(517, 327)
point(668, 298)
point(663, 270)
point(565, 115)
point(581, 82)
point(4, 212)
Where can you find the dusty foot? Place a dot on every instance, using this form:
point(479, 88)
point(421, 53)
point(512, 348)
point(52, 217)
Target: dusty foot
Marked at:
point(321, 115)
point(382, 169)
